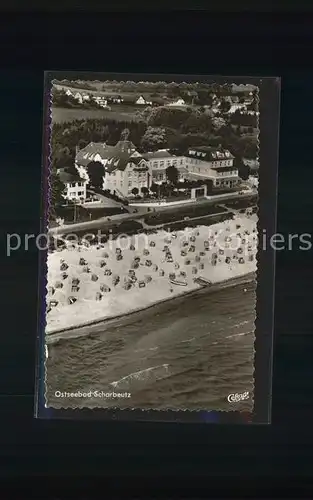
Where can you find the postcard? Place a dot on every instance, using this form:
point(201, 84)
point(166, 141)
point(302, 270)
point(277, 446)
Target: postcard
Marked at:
point(157, 279)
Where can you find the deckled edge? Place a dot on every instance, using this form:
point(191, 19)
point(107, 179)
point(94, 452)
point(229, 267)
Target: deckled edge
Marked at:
point(47, 170)
point(112, 409)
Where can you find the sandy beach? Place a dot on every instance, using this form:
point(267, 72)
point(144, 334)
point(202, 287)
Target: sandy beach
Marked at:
point(106, 286)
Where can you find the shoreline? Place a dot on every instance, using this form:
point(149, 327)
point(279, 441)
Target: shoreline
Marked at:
point(62, 333)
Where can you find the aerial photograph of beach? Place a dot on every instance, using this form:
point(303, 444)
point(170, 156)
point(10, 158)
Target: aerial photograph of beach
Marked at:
point(152, 259)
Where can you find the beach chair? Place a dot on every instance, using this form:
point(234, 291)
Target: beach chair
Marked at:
point(148, 263)
point(197, 258)
point(63, 266)
point(183, 253)
point(161, 272)
point(94, 277)
point(119, 256)
point(202, 254)
point(75, 281)
point(82, 262)
point(187, 262)
point(221, 251)
point(107, 272)
point(53, 303)
point(240, 250)
point(165, 248)
point(146, 252)
point(141, 284)
point(98, 296)
point(251, 257)
point(51, 290)
point(172, 276)
point(132, 247)
point(192, 239)
point(227, 260)
point(105, 255)
point(201, 265)
point(103, 263)
point(115, 280)
point(75, 289)
point(192, 248)
point(241, 260)
point(182, 274)
point(148, 278)
point(152, 243)
point(71, 300)
point(194, 270)
point(154, 267)
point(64, 276)
point(118, 251)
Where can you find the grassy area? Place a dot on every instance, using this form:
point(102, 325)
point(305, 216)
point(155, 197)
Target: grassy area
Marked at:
point(84, 214)
point(206, 221)
point(239, 204)
point(61, 115)
point(178, 215)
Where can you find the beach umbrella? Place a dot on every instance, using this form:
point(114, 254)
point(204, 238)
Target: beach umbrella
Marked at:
point(71, 300)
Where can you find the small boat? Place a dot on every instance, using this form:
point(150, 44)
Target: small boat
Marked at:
point(178, 282)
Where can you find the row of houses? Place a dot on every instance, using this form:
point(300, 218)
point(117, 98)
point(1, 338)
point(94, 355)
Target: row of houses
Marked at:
point(124, 168)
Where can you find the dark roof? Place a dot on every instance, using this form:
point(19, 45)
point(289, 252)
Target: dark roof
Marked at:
point(104, 150)
point(212, 154)
point(161, 153)
point(65, 177)
point(136, 159)
point(117, 163)
point(224, 169)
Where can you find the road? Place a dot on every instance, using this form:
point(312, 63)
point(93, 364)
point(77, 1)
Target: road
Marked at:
point(104, 223)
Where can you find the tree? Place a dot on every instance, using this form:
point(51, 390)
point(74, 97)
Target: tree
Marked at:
point(243, 170)
point(145, 191)
point(135, 191)
point(225, 106)
point(56, 194)
point(96, 173)
point(172, 175)
point(153, 139)
point(154, 188)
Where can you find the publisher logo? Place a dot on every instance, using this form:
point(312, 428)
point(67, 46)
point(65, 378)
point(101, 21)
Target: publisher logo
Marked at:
point(236, 397)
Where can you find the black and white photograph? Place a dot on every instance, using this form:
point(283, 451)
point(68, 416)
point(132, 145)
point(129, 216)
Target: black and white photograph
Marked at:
point(151, 269)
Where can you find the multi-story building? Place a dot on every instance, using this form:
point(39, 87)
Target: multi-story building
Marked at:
point(75, 187)
point(216, 164)
point(123, 173)
point(160, 160)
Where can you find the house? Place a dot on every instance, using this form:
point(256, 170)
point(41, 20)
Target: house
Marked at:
point(78, 96)
point(125, 172)
point(178, 102)
point(216, 164)
point(69, 93)
point(85, 97)
point(142, 100)
point(75, 187)
point(100, 152)
point(115, 99)
point(160, 160)
point(100, 100)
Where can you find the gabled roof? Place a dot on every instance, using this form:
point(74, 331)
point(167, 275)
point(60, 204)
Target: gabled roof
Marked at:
point(104, 150)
